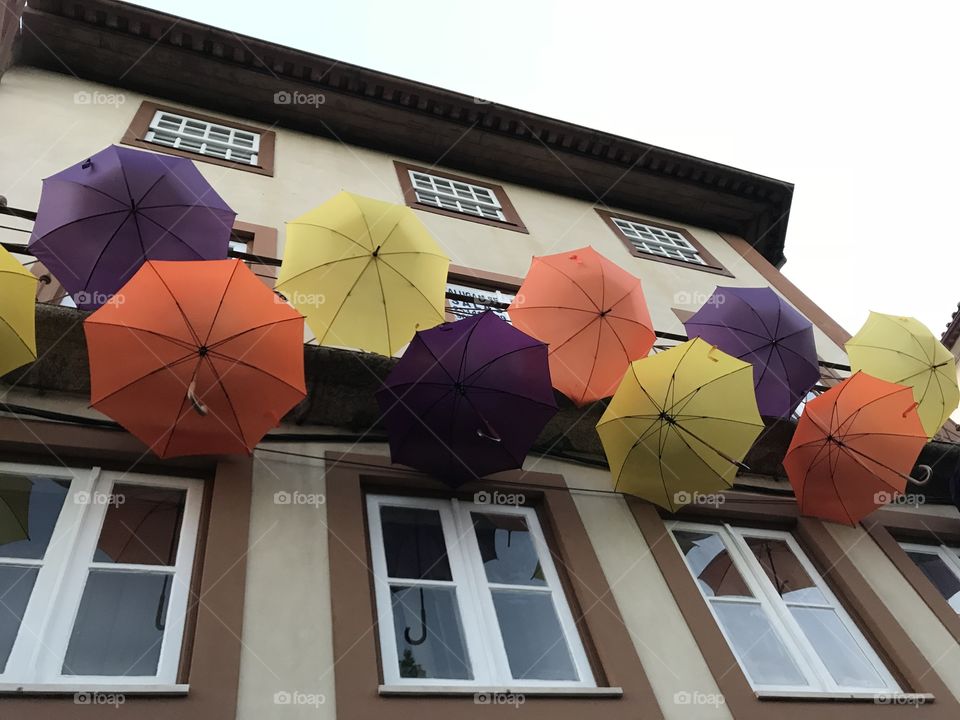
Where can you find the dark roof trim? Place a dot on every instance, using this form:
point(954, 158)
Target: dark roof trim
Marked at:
point(951, 335)
point(158, 54)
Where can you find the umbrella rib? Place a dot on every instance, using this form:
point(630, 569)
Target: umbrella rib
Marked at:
point(625, 296)
point(436, 359)
point(383, 295)
point(576, 284)
point(150, 189)
point(724, 326)
point(558, 347)
point(103, 250)
point(237, 361)
point(233, 410)
point(339, 309)
point(722, 456)
point(836, 490)
point(593, 365)
point(763, 323)
point(223, 295)
point(186, 320)
point(499, 357)
point(220, 342)
point(875, 462)
point(856, 413)
point(17, 336)
point(164, 366)
point(476, 388)
point(337, 232)
point(317, 267)
point(556, 307)
point(175, 341)
point(413, 252)
point(466, 349)
point(91, 187)
point(170, 232)
point(712, 380)
point(41, 239)
point(414, 286)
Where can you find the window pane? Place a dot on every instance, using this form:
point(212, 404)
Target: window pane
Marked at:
point(837, 648)
point(507, 550)
point(29, 508)
point(710, 562)
point(413, 543)
point(142, 526)
point(429, 635)
point(940, 574)
point(16, 584)
point(784, 570)
point(119, 627)
point(532, 636)
point(764, 656)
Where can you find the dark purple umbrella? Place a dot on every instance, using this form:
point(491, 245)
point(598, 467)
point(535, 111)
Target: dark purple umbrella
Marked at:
point(100, 219)
point(761, 328)
point(467, 399)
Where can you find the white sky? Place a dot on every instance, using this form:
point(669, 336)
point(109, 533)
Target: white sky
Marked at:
point(853, 102)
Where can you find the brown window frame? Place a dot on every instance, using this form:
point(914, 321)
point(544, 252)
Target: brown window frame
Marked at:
point(512, 222)
point(356, 649)
point(712, 264)
point(211, 650)
point(136, 133)
point(878, 625)
point(482, 280)
point(888, 528)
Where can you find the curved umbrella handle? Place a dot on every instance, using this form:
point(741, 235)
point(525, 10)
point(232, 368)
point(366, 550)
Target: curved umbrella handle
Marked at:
point(928, 473)
point(194, 400)
point(423, 625)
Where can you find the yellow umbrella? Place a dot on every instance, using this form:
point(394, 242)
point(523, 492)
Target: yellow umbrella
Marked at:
point(366, 273)
point(680, 424)
point(902, 350)
point(18, 291)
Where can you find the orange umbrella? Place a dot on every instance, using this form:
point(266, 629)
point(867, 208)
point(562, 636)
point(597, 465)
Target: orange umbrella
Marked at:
point(854, 448)
point(196, 358)
point(592, 314)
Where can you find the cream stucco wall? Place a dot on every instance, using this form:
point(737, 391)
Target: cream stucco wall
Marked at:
point(44, 129)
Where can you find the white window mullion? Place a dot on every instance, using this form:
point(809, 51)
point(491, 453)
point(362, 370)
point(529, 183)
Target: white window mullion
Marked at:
point(31, 649)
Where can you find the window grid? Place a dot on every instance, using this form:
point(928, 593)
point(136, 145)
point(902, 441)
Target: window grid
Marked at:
point(456, 196)
point(776, 609)
point(484, 644)
point(949, 556)
point(659, 241)
point(204, 138)
point(41, 643)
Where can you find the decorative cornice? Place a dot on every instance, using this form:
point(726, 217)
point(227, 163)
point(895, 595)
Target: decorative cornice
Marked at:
point(127, 46)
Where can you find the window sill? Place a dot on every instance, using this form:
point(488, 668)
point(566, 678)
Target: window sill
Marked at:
point(876, 698)
point(7, 688)
point(527, 691)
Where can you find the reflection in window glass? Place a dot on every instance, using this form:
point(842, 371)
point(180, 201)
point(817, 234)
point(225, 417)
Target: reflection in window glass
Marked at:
point(784, 571)
point(16, 584)
point(507, 550)
point(415, 548)
point(430, 641)
point(711, 564)
point(760, 649)
point(837, 648)
point(29, 508)
point(142, 526)
point(532, 636)
point(119, 627)
point(940, 574)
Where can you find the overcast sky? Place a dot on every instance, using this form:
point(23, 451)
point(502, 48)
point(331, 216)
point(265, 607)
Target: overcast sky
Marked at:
point(855, 103)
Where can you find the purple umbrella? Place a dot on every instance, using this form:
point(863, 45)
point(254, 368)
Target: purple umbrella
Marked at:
point(100, 219)
point(759, 327)
point(467, 399)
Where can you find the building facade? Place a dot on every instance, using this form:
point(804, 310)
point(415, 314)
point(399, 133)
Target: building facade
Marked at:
point(280, 597)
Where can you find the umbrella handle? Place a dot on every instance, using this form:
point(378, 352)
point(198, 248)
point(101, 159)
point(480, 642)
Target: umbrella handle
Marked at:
point(423, 625)
point(928, 473)
point(194, 400)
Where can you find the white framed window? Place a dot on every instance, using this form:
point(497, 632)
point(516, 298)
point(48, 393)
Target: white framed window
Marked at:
point(466, 300)
point(467, 594)
point(941, 565)
point(204, 138)
point(95, 570)
point(659, 241)
point(786, 628)
point(457, 196)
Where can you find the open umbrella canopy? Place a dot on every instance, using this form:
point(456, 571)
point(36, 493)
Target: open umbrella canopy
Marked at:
point(854, 448)
point(902, 350)
point(196, 358)
point(100, 219)
point(592, 314)
point(761, 328)
point(680, 423)
point(366, 273)
point(18, 290)
point(14, 509)
point(467, 399)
